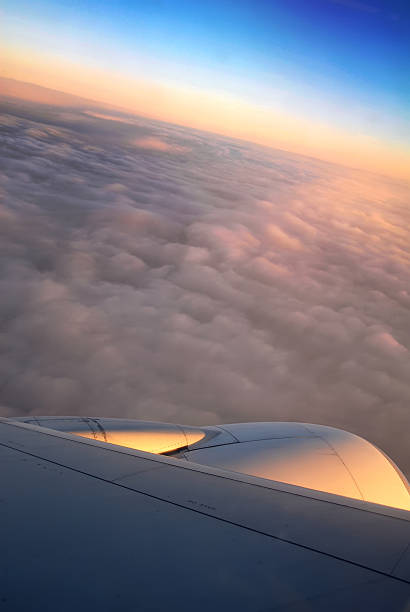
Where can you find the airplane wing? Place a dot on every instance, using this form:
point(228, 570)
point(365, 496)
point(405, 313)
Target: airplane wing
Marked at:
point(86, 525)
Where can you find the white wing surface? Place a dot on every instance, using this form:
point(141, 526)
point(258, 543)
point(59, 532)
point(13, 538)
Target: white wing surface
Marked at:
point(87, 525)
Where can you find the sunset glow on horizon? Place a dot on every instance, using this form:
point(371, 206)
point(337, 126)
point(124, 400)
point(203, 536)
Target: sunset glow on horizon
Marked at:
point(320, 81)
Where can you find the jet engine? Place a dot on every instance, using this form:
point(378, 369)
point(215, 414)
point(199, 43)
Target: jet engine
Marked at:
point(311, 456)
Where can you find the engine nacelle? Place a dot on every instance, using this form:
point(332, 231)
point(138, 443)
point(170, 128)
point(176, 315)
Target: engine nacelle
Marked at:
point(311, 456)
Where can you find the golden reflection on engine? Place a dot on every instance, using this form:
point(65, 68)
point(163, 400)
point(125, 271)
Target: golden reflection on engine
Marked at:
point(149, 439)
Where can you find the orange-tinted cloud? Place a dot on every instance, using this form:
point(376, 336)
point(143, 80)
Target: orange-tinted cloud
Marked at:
point(156, 144)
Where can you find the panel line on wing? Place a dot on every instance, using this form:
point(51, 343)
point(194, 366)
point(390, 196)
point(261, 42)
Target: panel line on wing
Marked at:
point(208, 514)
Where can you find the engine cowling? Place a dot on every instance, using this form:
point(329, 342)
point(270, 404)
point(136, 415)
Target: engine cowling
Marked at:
point(312, 456)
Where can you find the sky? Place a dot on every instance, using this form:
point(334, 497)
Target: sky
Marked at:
point(327, 78)
point(204, 213)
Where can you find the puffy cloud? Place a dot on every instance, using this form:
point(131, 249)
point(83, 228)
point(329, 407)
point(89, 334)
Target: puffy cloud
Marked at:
point(155, 272)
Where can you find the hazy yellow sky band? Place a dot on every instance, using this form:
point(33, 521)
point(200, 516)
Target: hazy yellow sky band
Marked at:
point(207, 110)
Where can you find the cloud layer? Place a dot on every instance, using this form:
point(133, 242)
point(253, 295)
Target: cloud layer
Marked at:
point(155, 272)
